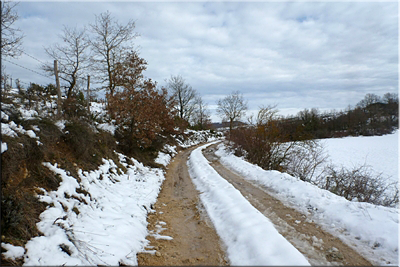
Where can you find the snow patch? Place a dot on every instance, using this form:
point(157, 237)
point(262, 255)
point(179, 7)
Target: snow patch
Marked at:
point(107, 127)
point(4, 147)
point(13, 252)
point(165, 157)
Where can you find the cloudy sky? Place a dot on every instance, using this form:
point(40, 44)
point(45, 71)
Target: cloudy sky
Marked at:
point(296, 55)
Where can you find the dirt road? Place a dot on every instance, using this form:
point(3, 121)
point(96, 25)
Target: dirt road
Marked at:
point(318, 246)
point(179, 211)
point(180, 215)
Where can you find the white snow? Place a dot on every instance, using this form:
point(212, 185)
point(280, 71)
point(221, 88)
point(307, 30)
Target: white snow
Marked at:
point(107, 127)
point(6, 130)
point(28, 114)
point(4, 116)
point(35, 128)
point(379, 152)
point(374, 229)
point(159, 229)
point(250, 237)
point(31, 134)
point(60, 124)
point(4, 147)
point(105, 226)
point(165, 157)
point(13, 252)
point(11, 129)
point(197, 137)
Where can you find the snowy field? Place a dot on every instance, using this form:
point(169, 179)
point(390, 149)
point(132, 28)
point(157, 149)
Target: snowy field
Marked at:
point(379, 152)
point(372, 230)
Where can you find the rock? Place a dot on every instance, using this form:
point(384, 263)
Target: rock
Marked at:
point(334, 254)
point(158, 254)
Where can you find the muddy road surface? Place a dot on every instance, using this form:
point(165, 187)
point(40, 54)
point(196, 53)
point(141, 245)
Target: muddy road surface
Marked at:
point(179, 215)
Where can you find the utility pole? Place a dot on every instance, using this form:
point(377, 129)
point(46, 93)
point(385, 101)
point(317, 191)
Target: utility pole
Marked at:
point(88, 94)
point(58, 89)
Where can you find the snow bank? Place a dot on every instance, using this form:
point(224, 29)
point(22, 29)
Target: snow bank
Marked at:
point(196, 137)
point(250, 237)
point(99, 221)
point(374, 229)
point(165, 157)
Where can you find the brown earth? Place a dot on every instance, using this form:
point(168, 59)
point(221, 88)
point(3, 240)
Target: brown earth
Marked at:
point(318, 246)
point(179, 211)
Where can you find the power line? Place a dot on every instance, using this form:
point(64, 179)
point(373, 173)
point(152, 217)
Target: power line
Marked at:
point(32, 57)
point(26, 68)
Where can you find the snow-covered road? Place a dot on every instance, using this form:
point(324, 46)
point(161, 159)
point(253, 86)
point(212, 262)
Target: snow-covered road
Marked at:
point(250, 237)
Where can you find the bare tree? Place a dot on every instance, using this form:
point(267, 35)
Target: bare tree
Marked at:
point(71, 55)
point(231, 108)
point(110, 45)
point(201, 115)
point(369, 99)
point(184, 95)
point(11, 37)
point(390, 98)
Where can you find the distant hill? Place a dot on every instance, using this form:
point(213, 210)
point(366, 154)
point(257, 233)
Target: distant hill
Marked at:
point(218, 125)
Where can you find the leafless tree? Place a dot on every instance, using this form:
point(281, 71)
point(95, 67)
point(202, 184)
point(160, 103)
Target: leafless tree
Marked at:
point(201, 115)
point(369, 99)
point(72, 56)
point(390, 98)
point(184, 95)
point(110, 44)
point(233, 107)
point(11, 37)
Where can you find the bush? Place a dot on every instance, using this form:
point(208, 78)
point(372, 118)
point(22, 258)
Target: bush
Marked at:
point(75, 106)
point(360, 184)
point(142, 115)
point(86, 146)
point(305, 160)
point(267, 143)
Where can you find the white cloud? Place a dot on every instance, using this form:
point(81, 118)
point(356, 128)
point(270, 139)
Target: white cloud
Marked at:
point(298, 55)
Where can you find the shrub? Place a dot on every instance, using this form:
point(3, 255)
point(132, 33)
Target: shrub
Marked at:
point(360, 184)
point(142, 114)
point(75, 106)
point(305, 161)
point(266, 142)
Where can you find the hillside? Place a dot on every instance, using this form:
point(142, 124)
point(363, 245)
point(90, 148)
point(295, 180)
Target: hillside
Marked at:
point(60, 176)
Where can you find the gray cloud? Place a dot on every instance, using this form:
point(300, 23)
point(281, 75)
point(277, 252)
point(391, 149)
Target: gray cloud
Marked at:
point(297, 55)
